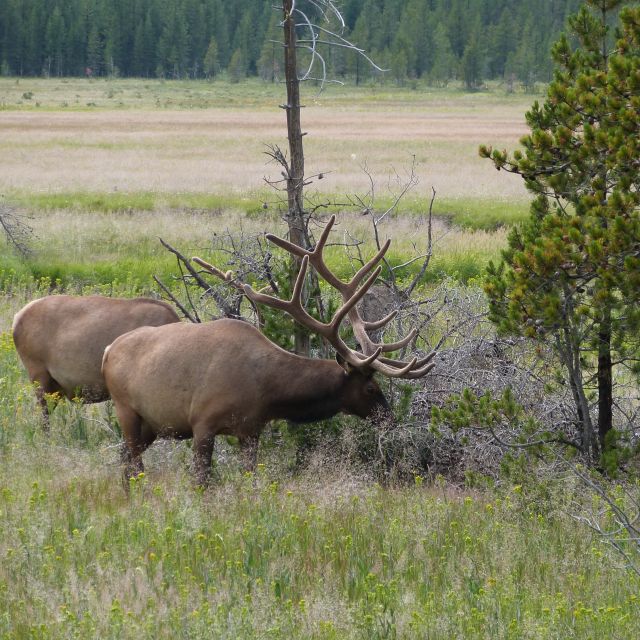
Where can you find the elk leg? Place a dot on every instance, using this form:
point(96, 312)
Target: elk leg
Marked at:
point(136, 441)
point(45, 384)
point(249, 452)
point(202, 454)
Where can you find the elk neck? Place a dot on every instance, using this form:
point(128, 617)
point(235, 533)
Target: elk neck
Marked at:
point(310, 390)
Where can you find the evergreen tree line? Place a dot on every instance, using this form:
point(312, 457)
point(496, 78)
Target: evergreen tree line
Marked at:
point(434, 40)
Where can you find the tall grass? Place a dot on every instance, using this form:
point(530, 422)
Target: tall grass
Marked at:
point(322, 555)
point(466, 213)
point(83, 248)
point(289, 559)
point(156, 141)
point(131, 202)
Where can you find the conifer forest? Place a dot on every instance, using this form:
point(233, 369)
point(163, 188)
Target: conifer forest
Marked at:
point(433, 40)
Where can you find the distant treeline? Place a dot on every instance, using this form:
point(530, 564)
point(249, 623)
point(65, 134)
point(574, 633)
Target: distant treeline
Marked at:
point(434, 40)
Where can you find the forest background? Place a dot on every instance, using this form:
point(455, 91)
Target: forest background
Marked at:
point(433, 40)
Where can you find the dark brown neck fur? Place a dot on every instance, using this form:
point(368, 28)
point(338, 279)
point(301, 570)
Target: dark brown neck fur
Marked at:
point(314, 393)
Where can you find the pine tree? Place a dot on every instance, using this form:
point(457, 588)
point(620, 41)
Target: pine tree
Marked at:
point(571, 274)
point(502, 42)
point(237, 66)
point(197, 36)
point(139, 66)
point(522, 63)
point(444, 62)
point(471, 63)
point(270, 60)
point(210, 61)
point(11, 37)
point(55, 42)
point(94, 49)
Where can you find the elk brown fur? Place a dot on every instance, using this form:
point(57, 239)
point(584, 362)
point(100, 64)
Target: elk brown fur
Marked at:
point(61, 340)
point(222, 378)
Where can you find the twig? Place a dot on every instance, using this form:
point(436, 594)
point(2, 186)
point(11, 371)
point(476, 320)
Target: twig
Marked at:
point(175, 301)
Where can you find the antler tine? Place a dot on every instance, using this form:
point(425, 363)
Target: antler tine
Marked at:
point(296, 294)
point(418, 373)
point(400, 363)
point(324, 235)
point(367, 361)
point(349, 305)
point(301, 251)
point(294, 306)
point(287, 246)
point(226, 276)
point(370, 325)
point(409, 372)
point(367, 267)
point(387, 347)
point(392, 372)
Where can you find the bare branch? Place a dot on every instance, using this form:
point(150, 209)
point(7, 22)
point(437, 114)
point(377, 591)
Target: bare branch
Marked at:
point(624, 532)
point(16, 230)
point(192, 318)
point(427, 256)
point(228, 278)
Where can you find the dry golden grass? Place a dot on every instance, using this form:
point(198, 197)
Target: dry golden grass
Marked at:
point(220, 149)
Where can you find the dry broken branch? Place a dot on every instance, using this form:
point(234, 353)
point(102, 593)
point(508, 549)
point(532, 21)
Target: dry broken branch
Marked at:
point(16, 230)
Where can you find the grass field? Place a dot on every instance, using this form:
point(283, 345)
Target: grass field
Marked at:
point(105, 167)
point(168, 138)
point(101, 157)
point(325, 555)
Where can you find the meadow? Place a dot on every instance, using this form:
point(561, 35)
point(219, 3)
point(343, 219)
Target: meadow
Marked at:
point(102, 169)
point(152, 140)
point(77, 153)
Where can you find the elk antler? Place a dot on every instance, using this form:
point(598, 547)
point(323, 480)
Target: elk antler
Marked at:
point(351, 292)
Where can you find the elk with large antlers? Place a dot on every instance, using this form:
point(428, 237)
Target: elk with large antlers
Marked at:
point(225, 377)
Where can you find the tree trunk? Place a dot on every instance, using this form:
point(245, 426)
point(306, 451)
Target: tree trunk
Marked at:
point(605, 379)
point(605, 365)
point(569, 350)
point(296, 215)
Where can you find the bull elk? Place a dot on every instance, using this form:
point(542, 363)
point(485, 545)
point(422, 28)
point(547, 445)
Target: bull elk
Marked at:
point(61, 340)
point(225, 377)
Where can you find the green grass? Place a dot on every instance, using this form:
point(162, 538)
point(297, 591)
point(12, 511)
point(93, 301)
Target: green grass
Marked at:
point(325, 555)
point(118, 201)
point(485, 215)
point(466, 213)
point(81, 94)
point(85, 239)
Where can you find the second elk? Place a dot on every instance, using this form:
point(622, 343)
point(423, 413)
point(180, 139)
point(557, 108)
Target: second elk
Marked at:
point(224, 377)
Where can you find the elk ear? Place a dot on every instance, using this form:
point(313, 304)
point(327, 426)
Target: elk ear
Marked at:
point(367, 372)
